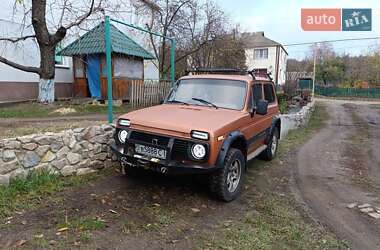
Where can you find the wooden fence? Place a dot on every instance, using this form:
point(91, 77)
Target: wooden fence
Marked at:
point(146, 93)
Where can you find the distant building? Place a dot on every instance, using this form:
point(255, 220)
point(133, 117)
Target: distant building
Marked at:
point(265, 55)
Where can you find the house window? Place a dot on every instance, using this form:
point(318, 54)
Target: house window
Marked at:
point(60, 61)
point(261, 53)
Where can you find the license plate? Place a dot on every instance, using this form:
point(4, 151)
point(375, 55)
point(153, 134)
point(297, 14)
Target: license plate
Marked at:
point(150, 151)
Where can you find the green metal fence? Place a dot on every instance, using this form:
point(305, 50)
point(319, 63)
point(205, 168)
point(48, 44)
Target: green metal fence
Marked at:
point(347, 92)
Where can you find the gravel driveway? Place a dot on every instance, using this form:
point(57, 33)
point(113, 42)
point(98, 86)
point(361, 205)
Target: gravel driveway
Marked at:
point(340, 168)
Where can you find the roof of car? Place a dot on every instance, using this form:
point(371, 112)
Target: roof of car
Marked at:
point(246, 78)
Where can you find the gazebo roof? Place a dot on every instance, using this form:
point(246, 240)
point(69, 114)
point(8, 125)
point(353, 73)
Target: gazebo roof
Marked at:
point(93, 42)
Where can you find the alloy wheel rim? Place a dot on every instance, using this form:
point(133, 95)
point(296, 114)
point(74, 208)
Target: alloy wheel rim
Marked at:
point(274, 144)
point(233, 176)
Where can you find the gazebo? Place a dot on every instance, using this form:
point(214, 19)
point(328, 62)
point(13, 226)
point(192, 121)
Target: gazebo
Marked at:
point(89, 63)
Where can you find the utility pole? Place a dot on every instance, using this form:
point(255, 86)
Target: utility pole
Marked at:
point(315, 59)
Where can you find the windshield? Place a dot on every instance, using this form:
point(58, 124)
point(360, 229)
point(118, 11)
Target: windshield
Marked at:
point(216, 93)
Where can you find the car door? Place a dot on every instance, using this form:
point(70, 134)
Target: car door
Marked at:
point(270, 97)
point(256, 127)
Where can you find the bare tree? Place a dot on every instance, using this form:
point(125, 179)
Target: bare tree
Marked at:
point(50, 21)
point(193, 25)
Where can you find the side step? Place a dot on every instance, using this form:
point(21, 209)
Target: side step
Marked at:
point(256, 152)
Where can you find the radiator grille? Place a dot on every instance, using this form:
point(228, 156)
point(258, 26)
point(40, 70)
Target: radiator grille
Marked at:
point(180, 148)
point(149, 138)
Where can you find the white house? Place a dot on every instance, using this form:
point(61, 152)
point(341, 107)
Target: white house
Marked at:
point(17, 85)
point(265, 55)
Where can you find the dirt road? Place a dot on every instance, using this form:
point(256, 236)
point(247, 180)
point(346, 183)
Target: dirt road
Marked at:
point(340, 165)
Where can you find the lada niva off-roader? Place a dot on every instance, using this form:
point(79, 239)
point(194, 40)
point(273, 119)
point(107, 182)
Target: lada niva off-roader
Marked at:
point(211, 122)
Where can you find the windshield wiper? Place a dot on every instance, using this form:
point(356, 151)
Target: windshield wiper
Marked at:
point(176, 101)
point(205, 102)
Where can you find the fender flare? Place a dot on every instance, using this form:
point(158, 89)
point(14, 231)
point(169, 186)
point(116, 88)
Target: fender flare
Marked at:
point(276, 122)
point(233, 136)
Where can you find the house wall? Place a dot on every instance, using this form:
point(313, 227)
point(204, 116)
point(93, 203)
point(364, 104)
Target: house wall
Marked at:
point(268, 63)
point(17, 85)
point(283, 57)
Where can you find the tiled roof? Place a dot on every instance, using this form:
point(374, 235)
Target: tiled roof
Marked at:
point(257, 40)
point(93, 42)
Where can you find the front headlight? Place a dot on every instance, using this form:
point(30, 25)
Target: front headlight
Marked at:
point(124, 122)
point(198, 151)
point(199, 135)
point(122, 135)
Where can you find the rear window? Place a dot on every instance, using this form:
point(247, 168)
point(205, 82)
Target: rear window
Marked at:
point(269, 93)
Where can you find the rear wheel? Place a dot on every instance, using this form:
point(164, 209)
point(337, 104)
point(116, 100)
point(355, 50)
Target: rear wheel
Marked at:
point(270, 152)
point(226, 183)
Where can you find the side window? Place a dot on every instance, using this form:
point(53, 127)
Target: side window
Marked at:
point(257, 93)
point(269, 93)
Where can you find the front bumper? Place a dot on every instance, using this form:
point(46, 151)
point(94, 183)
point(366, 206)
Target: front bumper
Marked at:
point(162, 166)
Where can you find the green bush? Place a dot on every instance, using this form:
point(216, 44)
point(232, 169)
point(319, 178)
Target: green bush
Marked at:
point(282, 103)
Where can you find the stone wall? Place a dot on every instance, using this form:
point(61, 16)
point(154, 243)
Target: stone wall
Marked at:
point(296, 120)
point(76, 151)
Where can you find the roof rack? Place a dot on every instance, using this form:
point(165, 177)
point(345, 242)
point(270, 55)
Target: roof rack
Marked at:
point(231, 71)
point(217, 71)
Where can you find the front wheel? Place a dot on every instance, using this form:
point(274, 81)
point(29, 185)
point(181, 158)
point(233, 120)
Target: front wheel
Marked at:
point(226, 183)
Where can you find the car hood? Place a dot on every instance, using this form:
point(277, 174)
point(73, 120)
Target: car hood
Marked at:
point(184, 118)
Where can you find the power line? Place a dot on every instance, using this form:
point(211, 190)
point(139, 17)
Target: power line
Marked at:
point(331, 41)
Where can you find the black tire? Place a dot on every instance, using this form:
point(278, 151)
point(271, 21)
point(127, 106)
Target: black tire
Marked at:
point(219, 186)
point(270, 152)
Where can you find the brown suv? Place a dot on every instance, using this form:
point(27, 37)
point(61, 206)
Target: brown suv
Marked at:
point(211, 122)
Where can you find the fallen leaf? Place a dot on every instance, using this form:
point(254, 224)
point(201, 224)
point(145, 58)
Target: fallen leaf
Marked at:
point(156, 204)
point(20, 243)
point(103, 201)
point(195, 210)
point(23, 222)
point(52, 242)
point(39, 236)
point(62, 229)
point(113, 211)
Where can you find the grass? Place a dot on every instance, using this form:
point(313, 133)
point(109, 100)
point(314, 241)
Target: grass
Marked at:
point(160, 217)
point(34, 109)
point(273, 222)
point(84, 224)
point(27, 193)
point(45, 127)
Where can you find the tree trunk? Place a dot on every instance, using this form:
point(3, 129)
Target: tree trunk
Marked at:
point(47, 73)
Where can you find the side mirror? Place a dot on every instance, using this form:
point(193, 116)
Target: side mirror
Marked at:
point(262, 107)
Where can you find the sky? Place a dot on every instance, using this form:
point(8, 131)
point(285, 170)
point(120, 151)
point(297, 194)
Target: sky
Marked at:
point(281, 21)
